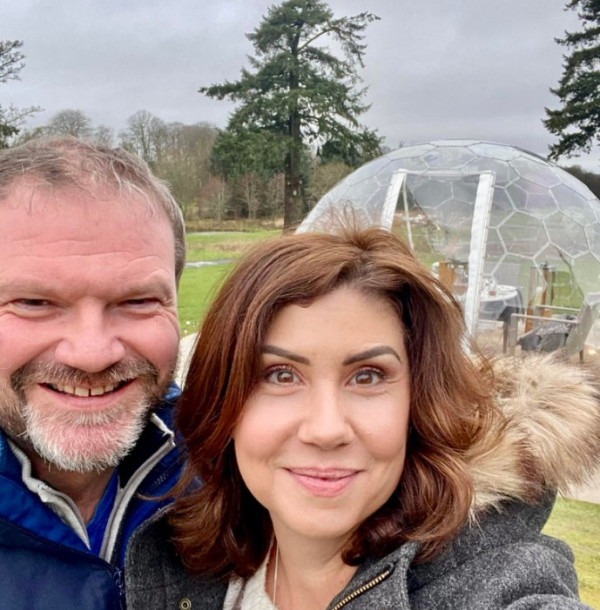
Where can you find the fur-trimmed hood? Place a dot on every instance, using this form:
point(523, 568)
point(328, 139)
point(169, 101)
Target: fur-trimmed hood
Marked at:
point(551, 435)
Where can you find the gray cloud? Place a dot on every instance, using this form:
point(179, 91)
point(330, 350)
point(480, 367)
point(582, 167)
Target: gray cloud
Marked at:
point(434, 69)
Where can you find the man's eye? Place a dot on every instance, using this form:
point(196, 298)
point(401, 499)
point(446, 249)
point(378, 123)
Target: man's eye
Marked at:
point(141, 303)
point(30, 308)
point(31, 303)
point(366, 377)
point(281, 375)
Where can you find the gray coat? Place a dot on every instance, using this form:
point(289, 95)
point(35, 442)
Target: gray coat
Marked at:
point(499, 560)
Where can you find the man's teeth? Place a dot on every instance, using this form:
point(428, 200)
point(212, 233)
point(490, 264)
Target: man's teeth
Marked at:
point(79, 391)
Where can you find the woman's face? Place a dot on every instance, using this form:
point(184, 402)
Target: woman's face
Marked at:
point(321, 441)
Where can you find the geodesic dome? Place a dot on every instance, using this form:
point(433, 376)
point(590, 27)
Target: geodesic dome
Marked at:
point(496, 215)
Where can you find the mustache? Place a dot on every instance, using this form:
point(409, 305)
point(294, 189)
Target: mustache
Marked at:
point(53, 373)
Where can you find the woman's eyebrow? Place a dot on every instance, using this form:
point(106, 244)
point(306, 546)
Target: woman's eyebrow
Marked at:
point(371, 353)
point(279, 351)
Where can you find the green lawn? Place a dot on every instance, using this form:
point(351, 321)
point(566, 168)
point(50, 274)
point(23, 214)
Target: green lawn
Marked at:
point(196, 290)
point(578, 524)
point(198, 284)
point(224, 245)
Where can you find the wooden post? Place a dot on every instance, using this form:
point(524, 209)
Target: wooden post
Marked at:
point(446, 274)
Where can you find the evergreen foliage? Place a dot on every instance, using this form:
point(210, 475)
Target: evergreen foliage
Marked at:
point(299, 92)
point(577, 122)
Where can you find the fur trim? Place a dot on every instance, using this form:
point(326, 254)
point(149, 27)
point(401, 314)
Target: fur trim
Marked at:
point(551, 434)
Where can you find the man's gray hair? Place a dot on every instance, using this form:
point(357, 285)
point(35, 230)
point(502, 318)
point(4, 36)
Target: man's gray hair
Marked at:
point(60, 162)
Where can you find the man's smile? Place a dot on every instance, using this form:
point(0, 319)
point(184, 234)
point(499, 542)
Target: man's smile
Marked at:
point(86, 391)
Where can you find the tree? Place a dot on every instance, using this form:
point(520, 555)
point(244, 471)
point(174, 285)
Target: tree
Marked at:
point(70, 123)
point(325, 177)
point(214, 197)
point(299, 91)
point(590, 179)
point(184, 161)
point(352, 154)
point(577, 122)
point(11, 60)
point(273, 196)
point(240, 150)
point(11, 119)
point(104, 136)
point(145, 135)
point(11, 64)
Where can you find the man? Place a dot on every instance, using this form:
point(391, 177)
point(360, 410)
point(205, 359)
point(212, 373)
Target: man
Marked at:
point(91, 249)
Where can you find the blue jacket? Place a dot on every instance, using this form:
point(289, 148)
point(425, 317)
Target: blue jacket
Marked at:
point(44, 564)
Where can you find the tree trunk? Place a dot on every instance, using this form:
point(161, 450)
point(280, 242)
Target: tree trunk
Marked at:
point(292, 203)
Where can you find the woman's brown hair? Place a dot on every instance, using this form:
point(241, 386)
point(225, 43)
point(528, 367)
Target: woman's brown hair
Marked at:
point(219, 527)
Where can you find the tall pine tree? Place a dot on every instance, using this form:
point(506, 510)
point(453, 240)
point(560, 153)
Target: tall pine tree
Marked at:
point(577, 122)
point(299, 90)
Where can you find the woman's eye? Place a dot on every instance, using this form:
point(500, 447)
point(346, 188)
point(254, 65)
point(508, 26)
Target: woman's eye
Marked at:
point(366, 377)
point(281, 375)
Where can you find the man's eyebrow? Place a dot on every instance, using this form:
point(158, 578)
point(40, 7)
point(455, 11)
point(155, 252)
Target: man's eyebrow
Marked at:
point(279, 351)
point(158, 287)
point(36, 288)
point(371, 353)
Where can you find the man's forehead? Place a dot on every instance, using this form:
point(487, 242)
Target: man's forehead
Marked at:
point(94, 201)
point(70, 222)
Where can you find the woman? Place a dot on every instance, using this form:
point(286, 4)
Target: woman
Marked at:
point(353, 454)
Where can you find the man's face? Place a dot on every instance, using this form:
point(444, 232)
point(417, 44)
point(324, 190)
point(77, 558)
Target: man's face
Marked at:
point(88, 323)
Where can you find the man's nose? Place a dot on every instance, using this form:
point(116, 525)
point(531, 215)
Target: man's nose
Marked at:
point(89, 341)
point(325, 422)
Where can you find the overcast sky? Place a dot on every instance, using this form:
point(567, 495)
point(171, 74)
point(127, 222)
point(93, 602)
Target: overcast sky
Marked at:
point(434, 68)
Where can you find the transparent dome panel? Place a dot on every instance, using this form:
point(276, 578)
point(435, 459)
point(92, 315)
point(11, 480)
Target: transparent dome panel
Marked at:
point(573, 205)
point(576, 185)
point(495, 249)
point(448, 157)
point(523, 235)
point(568, 237)
point(536, 171)
point(494, 151)
point(502, 206)
point(502, 172)
point(587, 273)
point(429, 192)
point(411, 151)
point(544, 224)
point(379, 166)
point(415, 164)
point(592, 235)
point(531, 198)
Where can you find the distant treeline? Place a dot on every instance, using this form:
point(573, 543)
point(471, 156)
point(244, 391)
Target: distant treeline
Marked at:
point(590, 179)
point(210, 176)
point(218, 179)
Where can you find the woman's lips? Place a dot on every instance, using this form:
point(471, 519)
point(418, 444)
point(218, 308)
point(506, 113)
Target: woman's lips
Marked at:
point(325, 483)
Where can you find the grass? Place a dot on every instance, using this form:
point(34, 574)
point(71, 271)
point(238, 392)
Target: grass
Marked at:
point(578, 524)
point(197, 288)
point(223, 246)
point(199, 284)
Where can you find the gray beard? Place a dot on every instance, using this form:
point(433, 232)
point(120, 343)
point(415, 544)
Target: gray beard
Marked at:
point(47, 437)
point(109, 435)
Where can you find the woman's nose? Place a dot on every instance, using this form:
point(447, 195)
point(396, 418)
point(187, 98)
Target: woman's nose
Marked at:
point(325, 422)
